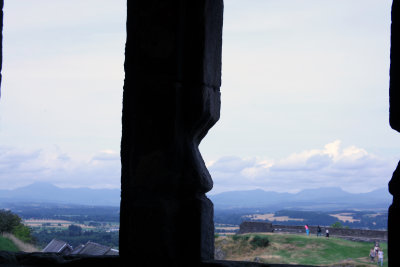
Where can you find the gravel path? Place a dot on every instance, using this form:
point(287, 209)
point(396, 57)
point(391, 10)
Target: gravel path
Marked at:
point(25, 247)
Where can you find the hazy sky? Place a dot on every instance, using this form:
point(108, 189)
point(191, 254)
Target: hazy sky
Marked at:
point(304, 95)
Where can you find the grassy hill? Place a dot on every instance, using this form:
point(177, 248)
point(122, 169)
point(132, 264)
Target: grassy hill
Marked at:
point(7, 244)
point(296, 249)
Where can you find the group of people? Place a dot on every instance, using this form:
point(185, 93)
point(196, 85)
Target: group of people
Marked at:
point(319, 231)
point(376, 251)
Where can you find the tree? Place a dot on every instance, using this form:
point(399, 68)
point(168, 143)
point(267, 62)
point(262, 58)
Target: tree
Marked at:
point(11, 223)
point(8, 221)
point(74, 230)
point(337, 225)
point(23, 233)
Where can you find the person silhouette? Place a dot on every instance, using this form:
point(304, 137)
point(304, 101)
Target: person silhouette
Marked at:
point(307, 229)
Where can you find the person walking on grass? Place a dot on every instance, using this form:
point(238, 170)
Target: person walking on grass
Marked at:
point(380, 257)
point(327, 233)
point(319, 231)
point(376, 248)
point(372, 254)
point(307, 230)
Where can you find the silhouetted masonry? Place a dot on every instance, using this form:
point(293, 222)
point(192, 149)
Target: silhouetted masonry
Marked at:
point(394, 118)
point(171, 99)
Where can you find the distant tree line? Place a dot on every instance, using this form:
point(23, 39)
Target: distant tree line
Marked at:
point(366, 221)
point(68, 212)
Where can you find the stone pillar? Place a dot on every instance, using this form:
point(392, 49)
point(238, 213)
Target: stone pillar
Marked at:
point(394, 118)
point(171, 99)
point(394, 219)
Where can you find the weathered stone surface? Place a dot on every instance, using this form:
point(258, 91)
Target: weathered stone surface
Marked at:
point(217, 263)
point(394, 219)
point(171, 100)
point(255, 227)
point(55, 259)
point(394, 89)
point(11, 259)
point(394, 118)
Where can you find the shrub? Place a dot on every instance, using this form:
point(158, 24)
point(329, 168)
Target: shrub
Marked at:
point(11, 223)
point(337, 225)
point(23, 233)
point(259, 241)
point(8, 221)
point(75, 230)
point(240, 237)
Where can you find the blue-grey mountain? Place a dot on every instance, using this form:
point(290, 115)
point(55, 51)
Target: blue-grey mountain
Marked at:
point(45, 192)
point(329, 198)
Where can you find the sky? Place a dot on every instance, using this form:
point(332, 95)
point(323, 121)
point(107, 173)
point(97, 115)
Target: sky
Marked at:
point(304, 95)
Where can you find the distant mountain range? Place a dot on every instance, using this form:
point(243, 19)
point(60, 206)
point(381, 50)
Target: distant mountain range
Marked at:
point(48, 193)
point(328, 198)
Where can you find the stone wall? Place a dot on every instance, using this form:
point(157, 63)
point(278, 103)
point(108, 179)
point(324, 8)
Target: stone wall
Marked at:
point(255, 227)
point(37, 259)
point(353, 234)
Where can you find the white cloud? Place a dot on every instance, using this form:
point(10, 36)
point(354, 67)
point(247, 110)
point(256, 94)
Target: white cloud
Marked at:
point(351, 168)
point(231, 164)
point(106, 155)
point(23, 167)
point(63, 74)
point(319, 73)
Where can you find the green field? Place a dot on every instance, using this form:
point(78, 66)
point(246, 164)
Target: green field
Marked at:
point(7, 244)
point(298, 249)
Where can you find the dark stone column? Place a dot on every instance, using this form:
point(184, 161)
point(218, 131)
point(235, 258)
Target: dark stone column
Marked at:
point(394, 90)
point(394, 118)
point(394, 219)
point(171, 99)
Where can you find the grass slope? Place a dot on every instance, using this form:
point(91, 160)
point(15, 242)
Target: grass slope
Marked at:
point(7, 245)
point(21, 245)
point(299, 249)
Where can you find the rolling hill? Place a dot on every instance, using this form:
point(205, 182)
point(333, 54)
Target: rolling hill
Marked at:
point(329, 198)
point(45, 192)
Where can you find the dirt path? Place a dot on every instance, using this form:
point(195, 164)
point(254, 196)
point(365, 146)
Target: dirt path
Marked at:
point(22, 246)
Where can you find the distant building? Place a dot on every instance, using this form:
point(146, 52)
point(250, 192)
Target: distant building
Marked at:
point(113, 230)
point(58, 246)
point(90, 248)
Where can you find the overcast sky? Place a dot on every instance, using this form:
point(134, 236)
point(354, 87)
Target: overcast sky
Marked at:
point(304, 95)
